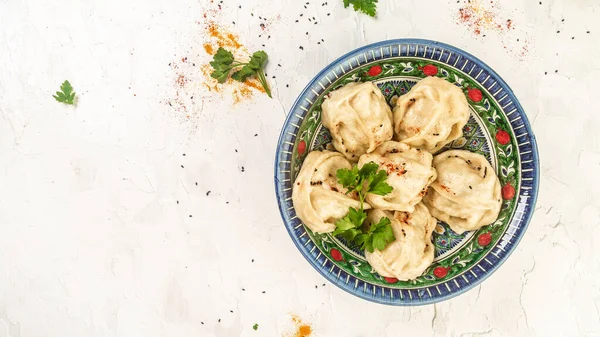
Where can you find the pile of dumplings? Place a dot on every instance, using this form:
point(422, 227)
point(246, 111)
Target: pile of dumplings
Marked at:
point(457, 187)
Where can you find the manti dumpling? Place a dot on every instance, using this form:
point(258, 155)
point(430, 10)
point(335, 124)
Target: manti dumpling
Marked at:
point(466, 194)
point(412, 252)
point(431, 115)
point(409, 173)
point(318, 198)
point(358, 118)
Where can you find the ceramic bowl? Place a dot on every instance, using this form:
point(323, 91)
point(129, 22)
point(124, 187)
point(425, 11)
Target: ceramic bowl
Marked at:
point(497, 128)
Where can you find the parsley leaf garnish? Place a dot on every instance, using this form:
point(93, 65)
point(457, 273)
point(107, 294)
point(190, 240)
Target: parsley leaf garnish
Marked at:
point(255, 327)
point(378, 186)
point(66, 95)
point(223, 63)
point(382, 234)
point(368, 7)
point(367, 179)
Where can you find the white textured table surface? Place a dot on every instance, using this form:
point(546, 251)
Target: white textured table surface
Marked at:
point(108, 229)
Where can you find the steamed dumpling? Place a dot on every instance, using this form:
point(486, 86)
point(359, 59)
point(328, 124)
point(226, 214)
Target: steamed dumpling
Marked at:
point(358, 118)
point(318, 198)
point(466, 194)
point(409, 173)
point(412, 252)
point(431, 115)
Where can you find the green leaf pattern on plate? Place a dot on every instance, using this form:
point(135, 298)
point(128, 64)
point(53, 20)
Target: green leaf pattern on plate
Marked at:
point(454, 253)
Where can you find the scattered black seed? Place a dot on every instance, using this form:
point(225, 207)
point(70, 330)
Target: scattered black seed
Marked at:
point(323, 284)
point(240, 6)
point(190, 215)
point(563, 20)
point(227, 202)
point(322, 40)
point(219, 320)
point(296, 20)
point(233, 22)
point(315, 22)
point(545, 73)
point(301, 14)
point(252, 260)
point(256, 134)
point(243, 169)
point(184, 154)
point(470, 187)
point(231, 311)
point(540, 2)
point(558, 31)
point(328, 14)
point(301, 48)
point(202, 323)
point(207, 193)
point(279, 65)
point(274, 77)
point(236, 150)
point(573, 38)
point(306, 33)
point(588, 32)
point(556, 71)
point(182, 166)
point(287, 85)
point(196, 184)
point(316, 286)
point(263, 45)
point(243, 289)
point(264, 292)
point(177, 202)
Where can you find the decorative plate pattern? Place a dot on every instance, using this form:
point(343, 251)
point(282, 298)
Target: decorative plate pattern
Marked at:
point(498, 129)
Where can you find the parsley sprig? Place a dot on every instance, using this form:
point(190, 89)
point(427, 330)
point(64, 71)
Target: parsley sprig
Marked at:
point(66, 94)
point(367, 179)
point(223, 63)
point(368, 7)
